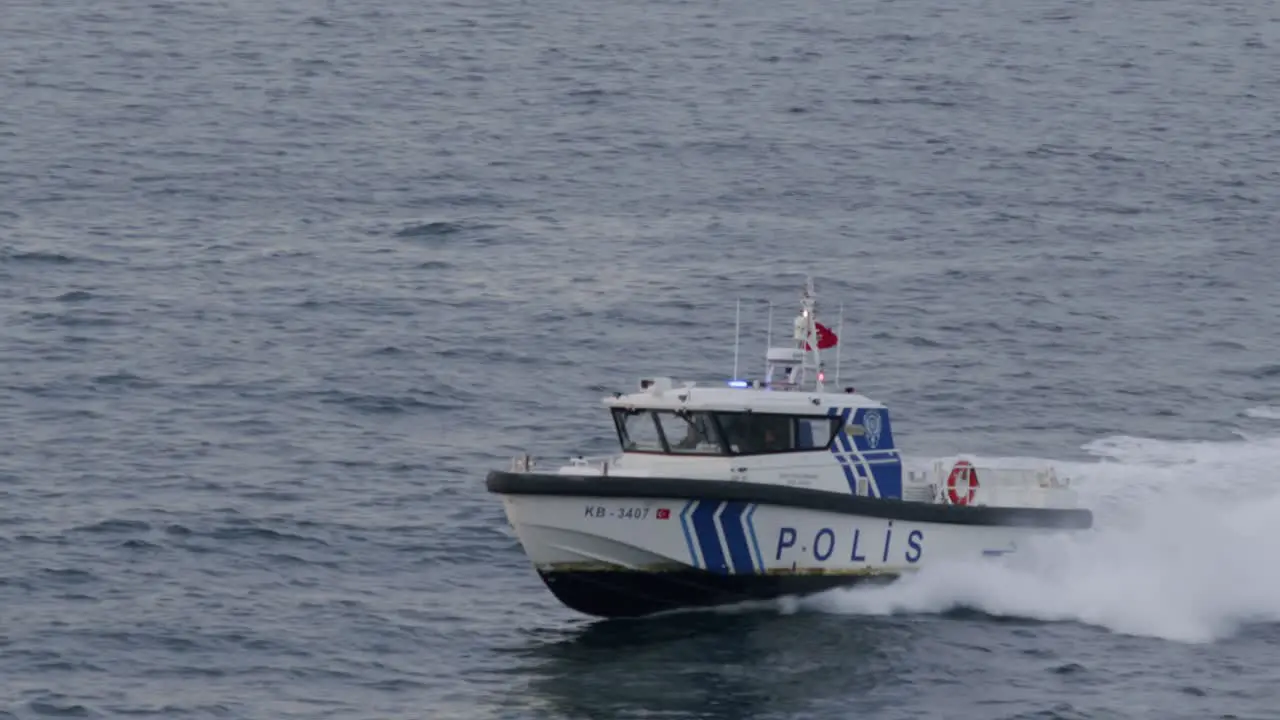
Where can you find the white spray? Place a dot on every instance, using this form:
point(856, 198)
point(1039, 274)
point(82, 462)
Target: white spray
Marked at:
point(1186, 547)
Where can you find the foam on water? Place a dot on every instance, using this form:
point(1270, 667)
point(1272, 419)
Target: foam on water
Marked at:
point(1183, 549)
point(1266, 412)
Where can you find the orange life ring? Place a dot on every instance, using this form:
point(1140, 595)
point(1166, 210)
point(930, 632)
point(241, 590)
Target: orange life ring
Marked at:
point(962, 469)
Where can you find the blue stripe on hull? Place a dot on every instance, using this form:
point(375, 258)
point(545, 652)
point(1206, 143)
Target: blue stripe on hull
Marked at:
point(735, 539)
point(704, 526)
point(688, 538)
point(755, 544)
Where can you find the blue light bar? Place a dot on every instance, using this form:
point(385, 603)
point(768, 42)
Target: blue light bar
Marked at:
point(739, 383)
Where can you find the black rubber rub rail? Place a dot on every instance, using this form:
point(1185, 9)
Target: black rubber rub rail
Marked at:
point(510, 483)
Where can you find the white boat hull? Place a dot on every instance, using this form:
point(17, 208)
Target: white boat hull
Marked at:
point(609, 554)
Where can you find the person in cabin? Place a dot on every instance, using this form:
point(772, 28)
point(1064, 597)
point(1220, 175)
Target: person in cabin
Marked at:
point(772, 441)
point(692, 436)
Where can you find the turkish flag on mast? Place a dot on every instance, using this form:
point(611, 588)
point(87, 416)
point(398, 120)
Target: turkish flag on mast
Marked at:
point(826, 338)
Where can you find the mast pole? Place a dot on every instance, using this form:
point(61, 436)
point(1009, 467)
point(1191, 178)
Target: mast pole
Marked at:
point(768, 340)
point(812, 358)
point(839, 343)
point(737, 329)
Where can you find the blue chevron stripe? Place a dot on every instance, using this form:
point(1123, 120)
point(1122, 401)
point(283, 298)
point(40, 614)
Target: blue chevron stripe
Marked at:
point(751, 530)
point(842, 441)
point(864, 470)
point(704, 526)
point(888, 476)
point(849, 474)
point(735, 539)
point(844, 424)
point(684, 525)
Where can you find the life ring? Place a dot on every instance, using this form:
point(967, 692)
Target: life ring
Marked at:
point(962, 469)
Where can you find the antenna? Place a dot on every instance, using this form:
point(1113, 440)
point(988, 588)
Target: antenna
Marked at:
point(737, 325)
point(839, 343)
point(807, 338)
point(768, 340)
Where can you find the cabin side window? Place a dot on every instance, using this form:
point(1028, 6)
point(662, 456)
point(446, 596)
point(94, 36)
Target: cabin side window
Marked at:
point(638, 431)
point(667, 431)
point(759, 433)
point(690, 433)
point(815, 433)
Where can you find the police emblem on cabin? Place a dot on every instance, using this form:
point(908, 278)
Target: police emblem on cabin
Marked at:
point(871, 421)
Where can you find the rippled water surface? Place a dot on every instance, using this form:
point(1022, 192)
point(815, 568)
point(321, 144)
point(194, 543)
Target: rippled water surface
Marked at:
point(280, 281)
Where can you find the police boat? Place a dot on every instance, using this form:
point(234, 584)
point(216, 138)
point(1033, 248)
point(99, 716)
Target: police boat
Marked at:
point(752, 490)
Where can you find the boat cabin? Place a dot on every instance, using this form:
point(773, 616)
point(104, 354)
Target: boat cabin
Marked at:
point(839, 441)
point(783, 427)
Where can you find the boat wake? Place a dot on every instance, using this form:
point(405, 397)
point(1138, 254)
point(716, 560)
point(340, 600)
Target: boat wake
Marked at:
point(1184, 549)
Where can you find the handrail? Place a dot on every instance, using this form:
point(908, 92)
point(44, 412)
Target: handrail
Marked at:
point(1005, 475)
point(527, 463)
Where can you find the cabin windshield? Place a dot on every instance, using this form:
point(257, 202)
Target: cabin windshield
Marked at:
point(668, 431)
point(690, 433)
point(722, 433)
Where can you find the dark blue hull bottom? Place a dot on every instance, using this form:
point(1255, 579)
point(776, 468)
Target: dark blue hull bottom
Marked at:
point(627, 593)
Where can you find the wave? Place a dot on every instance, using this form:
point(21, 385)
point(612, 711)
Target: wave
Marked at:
point(1265, 413)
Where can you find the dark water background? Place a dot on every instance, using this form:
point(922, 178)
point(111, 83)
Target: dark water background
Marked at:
point(280, 281)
